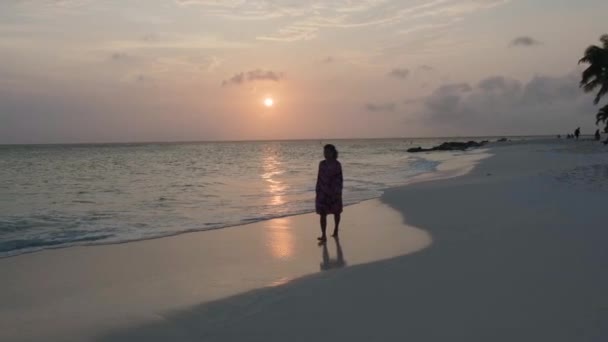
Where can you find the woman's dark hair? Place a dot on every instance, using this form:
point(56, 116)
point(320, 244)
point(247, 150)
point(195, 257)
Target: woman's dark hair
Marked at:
point(331, 148)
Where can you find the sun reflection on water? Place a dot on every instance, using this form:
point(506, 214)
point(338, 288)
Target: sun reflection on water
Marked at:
point(272, 168)
point(280, 238)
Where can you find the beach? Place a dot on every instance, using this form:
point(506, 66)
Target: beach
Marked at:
point(177, 171)
point(81, 293)
point(505, 243)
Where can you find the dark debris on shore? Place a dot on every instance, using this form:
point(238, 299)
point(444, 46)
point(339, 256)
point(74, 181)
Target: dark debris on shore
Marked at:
point(450, 146)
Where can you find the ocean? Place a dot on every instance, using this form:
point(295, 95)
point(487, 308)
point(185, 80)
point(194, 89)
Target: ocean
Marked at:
point(63, 195)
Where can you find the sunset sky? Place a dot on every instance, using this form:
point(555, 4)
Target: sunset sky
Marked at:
point(172, 70)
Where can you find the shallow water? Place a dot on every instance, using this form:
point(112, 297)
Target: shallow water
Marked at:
point(61, 195)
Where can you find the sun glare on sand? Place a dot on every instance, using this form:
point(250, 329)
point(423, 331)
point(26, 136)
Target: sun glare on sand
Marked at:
point(268, 102)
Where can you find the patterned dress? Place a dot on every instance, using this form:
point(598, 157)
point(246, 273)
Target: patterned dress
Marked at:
point(329, 188)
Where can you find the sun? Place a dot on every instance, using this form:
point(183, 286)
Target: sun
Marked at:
point(268, 102)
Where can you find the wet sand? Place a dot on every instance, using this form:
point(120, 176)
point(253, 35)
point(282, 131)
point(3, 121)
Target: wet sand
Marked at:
point(78, 293)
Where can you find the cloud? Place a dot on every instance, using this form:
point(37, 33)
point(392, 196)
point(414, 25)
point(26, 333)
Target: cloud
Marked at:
point(236, 79)
point(141, 78)
point(451, 88)
point(446, 98)
point(54, 3)
point(53, 8)
point(53, 112)
point(493, 83)
point(399, 73)
point(211, 63)
point(253, 75)
point(524, 41)
point(184, 42)
point(412, 101)
point(123, 59)
point(261, 75)
point(119, 57)
point(151, 37)
point(328, 60)
point(499, 104)
point(425, 67)
point(126, 60)
point(380, 107)
point(306, 19)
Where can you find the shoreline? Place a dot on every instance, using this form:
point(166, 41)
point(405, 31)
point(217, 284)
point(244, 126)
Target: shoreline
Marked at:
point(488, 254)
point(80, 292)
point(150, 277)
point(505, 265)
point(448, 164)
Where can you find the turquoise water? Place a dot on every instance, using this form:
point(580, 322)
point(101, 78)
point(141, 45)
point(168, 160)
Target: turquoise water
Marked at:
point(62, 195)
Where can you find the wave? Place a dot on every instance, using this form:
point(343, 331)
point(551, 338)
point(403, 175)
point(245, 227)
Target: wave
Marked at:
point(27, 244)
point(102, 222)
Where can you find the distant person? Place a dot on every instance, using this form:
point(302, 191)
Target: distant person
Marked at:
point(598, 136)
point(577, 133)
point(329, 190)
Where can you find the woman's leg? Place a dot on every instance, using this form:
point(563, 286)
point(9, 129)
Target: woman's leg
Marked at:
point(323, 226)
point(336, 224)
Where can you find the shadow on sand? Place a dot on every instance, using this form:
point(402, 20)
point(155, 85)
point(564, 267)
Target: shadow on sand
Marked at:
point(329, 263)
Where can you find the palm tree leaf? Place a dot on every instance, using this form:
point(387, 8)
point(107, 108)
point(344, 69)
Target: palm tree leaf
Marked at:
point(603, 91)
point(590, 81)
point(596, 76)
point(602, 115)
point(604, 40)
point(592, 54)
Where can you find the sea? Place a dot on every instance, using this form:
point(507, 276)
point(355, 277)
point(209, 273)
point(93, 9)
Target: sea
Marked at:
point(54, 196)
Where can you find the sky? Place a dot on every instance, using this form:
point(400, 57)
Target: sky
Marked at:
point(74, 71)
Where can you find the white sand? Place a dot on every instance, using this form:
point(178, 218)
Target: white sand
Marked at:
point(519, 253)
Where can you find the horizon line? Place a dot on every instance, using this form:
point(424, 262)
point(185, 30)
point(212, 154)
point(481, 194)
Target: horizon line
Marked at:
point(270, 140)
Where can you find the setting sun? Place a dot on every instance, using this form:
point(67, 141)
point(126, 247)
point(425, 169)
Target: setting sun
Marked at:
point(268, 102)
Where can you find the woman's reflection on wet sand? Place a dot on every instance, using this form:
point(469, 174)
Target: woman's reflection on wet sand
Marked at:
point(329, 263)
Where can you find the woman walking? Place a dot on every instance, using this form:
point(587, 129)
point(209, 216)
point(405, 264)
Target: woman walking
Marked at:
point(329, 190)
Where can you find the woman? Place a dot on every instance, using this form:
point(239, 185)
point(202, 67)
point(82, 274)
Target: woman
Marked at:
point(329, 190)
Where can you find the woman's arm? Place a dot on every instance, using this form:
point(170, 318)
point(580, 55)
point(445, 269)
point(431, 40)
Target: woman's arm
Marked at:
point(318, 187)
point(339, 178)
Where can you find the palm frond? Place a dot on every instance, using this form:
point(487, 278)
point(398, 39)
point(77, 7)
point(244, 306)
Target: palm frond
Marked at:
point(604, 40)
point(590, 84)
point(596, 74)
point(603, 91)
point(589, 74)
point(602, 115)
point(592, 55)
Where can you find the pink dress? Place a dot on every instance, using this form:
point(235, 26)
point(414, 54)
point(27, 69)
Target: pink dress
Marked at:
point(329, 188)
